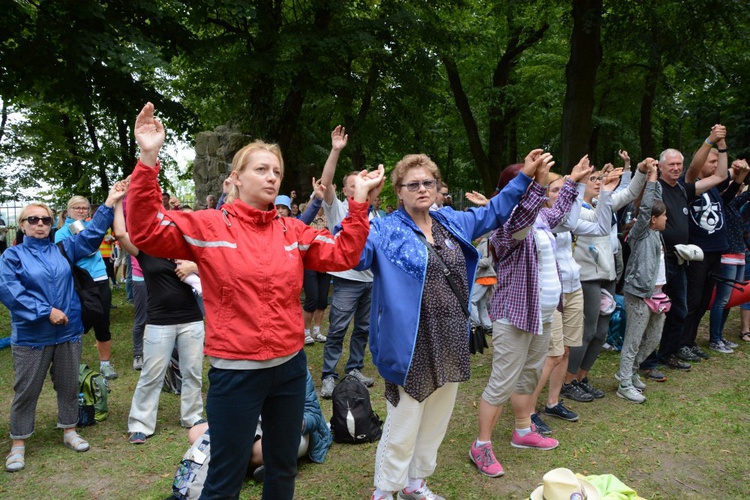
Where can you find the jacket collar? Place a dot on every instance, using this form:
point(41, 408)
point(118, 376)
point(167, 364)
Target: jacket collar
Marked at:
point(249, 214)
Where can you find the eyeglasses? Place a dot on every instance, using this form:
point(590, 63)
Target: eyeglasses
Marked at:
point(34, 220)
point(414, 186)
point(80, 209)
point(595, 178)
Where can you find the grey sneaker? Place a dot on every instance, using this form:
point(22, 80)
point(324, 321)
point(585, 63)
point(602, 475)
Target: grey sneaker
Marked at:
point(729, 343)
point(326, 392)
point(720, 347)
point(108, 372)
point(423, 493)
point(362, 378)
point(630, 393)
point(635, 380)
point(138, 363)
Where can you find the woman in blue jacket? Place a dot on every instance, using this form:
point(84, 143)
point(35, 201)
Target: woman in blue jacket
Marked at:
point(419, 333)
point(36, 285)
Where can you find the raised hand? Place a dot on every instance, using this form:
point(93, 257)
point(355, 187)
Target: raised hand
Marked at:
point(718, 133)
point(582, 170)
point(625, 158)
point(542, 171)
point(532, 161)
point(611, 178)
point(339, 138)
point(477, 198)
point(319, 189)
point(367, 185)
point(117, 192)
point(149, 134)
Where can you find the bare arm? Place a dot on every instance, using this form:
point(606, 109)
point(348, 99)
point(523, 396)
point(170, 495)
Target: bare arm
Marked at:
point(121, 232)
point(699, 158)
point(720, 174)
point(339, 138)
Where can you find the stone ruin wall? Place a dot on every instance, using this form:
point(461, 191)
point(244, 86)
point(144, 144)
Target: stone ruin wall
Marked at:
point(214, 151)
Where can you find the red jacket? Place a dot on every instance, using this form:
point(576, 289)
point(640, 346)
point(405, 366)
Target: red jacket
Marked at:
point(250, 264)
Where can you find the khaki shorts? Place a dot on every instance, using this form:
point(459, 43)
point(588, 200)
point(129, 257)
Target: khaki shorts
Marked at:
point(556, 345)
point(572, 318)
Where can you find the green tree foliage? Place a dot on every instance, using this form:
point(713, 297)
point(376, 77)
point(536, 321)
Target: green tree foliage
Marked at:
point(473, 84)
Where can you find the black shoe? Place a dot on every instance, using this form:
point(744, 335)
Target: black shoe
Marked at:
point(541, 427)
point(699, 352)
point(259, 474)
point(574, 392)
point(675, 363)
point(686, 354)
point(584, 384)
point(560, 411)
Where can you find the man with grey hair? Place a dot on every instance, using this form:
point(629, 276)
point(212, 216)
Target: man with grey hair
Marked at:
point(678, 195)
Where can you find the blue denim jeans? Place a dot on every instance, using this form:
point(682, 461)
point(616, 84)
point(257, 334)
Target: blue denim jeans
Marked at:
point(158, 343)
point(351, 299)
point(723, 292)
point(235, 400)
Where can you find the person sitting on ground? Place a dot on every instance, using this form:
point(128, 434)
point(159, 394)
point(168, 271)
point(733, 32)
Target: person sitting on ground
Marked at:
point(36, 285)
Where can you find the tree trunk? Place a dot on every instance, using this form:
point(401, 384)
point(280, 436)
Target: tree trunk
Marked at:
point(647, 105)
point(472, 132)
point(580, 76)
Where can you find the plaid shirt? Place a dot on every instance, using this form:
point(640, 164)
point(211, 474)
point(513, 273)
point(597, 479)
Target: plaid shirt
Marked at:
point(516, 296)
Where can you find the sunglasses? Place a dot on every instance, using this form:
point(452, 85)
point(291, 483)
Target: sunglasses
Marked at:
point(414, 186)
point(34, 220)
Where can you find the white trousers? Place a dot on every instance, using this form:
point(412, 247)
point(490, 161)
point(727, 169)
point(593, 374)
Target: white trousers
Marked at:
point(412, 434)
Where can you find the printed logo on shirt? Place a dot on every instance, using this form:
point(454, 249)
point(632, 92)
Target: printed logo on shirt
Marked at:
point(707, 214)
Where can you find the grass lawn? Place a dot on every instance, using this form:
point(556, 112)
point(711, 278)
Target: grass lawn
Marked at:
point(689, 440)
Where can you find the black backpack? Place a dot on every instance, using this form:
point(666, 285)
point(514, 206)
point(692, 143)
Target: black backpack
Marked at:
point(353, 420)
point(88, 293)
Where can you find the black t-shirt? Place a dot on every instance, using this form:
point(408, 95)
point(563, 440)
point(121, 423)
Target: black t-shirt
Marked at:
point(170, 301)
point(677, 230)
point(708, 227)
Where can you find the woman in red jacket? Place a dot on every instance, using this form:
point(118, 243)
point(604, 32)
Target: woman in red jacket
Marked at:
point(251, 264)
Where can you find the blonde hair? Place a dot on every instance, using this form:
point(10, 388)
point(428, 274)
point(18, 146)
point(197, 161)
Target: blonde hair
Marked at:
point(76, 200)
point(552, 178)
point(25, 209)
point(409, 162)
point(242, 158)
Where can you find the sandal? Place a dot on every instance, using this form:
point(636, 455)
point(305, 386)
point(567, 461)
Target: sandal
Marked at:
point(16, 459)
point(76, 443)
point(745, 336)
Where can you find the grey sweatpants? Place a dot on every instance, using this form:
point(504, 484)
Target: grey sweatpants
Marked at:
point(31, 365)
point(642, 336)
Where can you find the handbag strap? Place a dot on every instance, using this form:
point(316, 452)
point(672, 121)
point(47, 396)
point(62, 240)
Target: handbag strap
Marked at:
point(64, 254)
point(446, 273)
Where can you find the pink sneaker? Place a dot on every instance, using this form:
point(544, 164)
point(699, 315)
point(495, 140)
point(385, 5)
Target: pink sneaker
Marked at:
point(485, 460)
point(533, 440)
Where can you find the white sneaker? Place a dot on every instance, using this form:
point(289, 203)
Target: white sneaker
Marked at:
point(309, 340)
point(631, 394)
point(319, 337)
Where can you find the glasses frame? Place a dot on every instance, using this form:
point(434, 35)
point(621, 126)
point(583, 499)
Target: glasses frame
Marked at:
point(414, 186)
point(34, 220)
